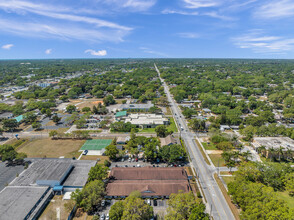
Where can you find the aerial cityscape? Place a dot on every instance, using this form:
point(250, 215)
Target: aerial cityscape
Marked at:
point(146, 110)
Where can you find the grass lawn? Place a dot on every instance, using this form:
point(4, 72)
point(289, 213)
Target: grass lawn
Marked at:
point(288, 199)
point(147, 130)
point(228, 179)
point(52, 148)
point(209, 146)
point(215, 157)
point(172, 126)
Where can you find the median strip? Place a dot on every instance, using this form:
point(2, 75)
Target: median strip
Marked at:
point(202, 152)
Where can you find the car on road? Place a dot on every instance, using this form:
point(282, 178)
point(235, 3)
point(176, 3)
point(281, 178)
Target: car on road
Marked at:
point(103, 203)
point(122, 160)
point(107, 216)
point(102, 217)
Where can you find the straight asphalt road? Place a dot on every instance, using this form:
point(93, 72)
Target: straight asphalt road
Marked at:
point(216, 203)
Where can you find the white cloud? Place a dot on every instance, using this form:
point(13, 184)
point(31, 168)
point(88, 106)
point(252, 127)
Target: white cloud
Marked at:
point(200, 3)
point(48, 51)
point(180, 12)
point(132, 5)
point(7, 46)
point(58, 23)
point(188, 35)
point(275, 9)
point(261, 43)
point(150, 51)
point(96, 53)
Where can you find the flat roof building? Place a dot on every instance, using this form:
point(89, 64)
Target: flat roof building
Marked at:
point(274, 142)
point(147, 120)
point(144, 107)
point(152, 182)
point(23, 202)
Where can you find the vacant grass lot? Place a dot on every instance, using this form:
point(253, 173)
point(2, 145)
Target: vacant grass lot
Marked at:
point(217, 157)
point(52, 148)
point(228, 179)
point(209, 146)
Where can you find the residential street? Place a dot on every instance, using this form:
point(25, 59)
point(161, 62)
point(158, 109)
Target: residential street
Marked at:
point(216, 203)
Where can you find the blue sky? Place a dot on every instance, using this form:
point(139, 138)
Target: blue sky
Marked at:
point(146, 28)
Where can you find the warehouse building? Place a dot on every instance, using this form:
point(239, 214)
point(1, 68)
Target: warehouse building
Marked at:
point(147, 120)
point(23, 202)
point(27, 195)
point(152, 182)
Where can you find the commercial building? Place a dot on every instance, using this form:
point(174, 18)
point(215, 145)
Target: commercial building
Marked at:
point(23, 202)
point(152, 182)
point(27, 195)
point(273, 142)
point(147, 120)
point(137, 107)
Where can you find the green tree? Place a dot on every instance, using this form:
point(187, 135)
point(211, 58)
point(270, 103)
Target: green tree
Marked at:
point(109, 100)
point(30, 117)
point(56, 119)
point(161, 131)
point(90, 197)
point(111, 151)
point(9, 124)
point(7, 153)
point(53, 133)
point(116, 210)
point(48, 113)
point(289, 183)
point(98, 172)
point(86, 109)
point(136, 209)
point(71, 108)
point(183, 206)
point(36, 125)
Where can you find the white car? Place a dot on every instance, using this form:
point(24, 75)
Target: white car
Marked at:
point(107, 217)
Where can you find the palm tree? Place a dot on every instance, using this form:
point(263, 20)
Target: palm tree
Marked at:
point(236, 155)
point(280, 152)
point(247, 155)
point(289, 153)
point(262, 150)
point(271, 151)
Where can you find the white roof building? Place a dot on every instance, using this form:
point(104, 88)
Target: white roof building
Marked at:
point(147, 120)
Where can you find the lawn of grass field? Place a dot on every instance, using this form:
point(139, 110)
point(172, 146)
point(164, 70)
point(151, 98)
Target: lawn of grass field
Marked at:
point(147, 130)
point(215, 157)
point(52, 148)
point(172, 126)
point(288, 199)
point(209, 146)
point(228, 179)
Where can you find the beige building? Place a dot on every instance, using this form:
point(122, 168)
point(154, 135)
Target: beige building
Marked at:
point(147, 120)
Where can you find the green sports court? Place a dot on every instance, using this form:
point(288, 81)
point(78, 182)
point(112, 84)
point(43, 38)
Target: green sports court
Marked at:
point(97, 144)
